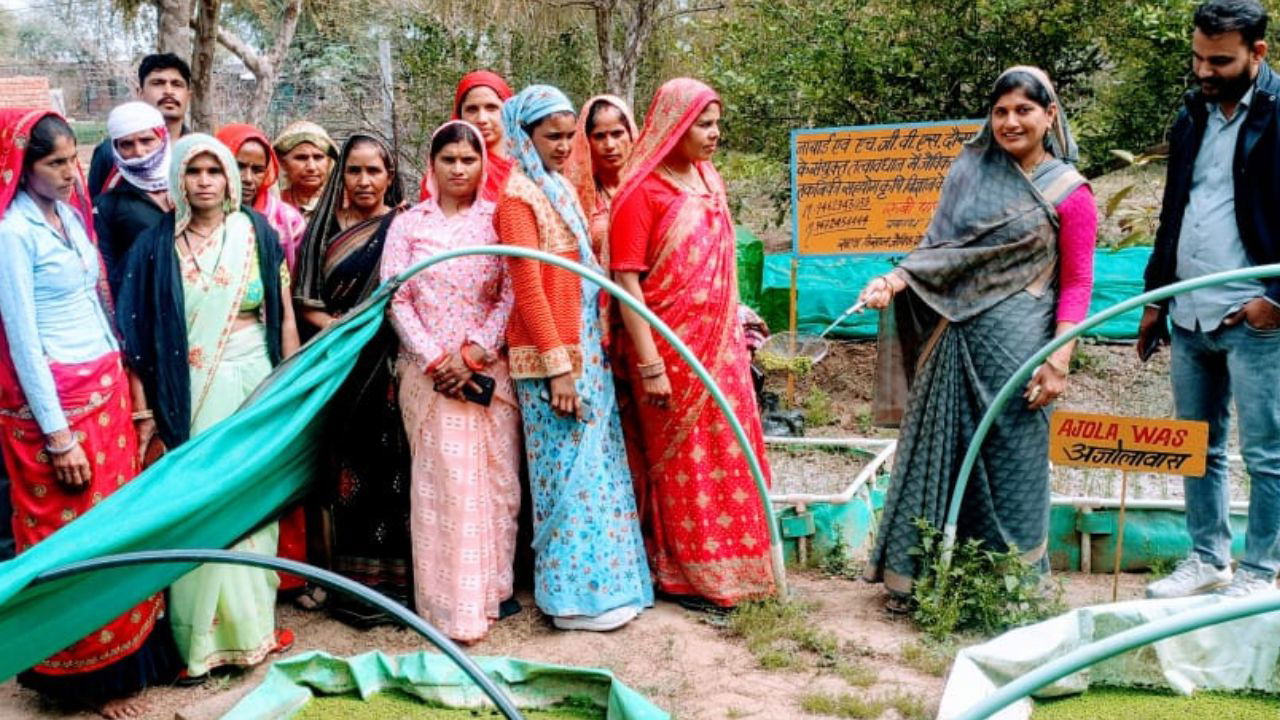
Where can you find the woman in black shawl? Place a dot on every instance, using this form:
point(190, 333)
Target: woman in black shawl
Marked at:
point(365, 477)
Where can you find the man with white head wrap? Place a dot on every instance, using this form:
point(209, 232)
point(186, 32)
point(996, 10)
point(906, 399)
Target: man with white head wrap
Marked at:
point(140, 148)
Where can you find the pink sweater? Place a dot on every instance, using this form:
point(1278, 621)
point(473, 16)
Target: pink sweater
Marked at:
point(1078, 233)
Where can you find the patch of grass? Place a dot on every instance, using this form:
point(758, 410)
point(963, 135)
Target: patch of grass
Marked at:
point(982, 590)
point(838, 562)
point(782, 635)
point(909, 707)
point(929, 658)
point(818, 408)
point(1083, 361)
point(1161, 567)
point(844, 705)
point(856, 674)
point(1110, 703)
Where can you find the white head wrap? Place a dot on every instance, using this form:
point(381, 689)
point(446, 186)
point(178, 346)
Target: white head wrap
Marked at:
point(150, 172)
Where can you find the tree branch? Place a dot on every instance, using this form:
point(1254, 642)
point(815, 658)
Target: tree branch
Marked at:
point(687, 11)
point(248, 55)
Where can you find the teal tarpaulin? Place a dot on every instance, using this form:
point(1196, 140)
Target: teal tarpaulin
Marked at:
point(205, 494)
point(292, 683)
point(827, 286)
point(750, 266)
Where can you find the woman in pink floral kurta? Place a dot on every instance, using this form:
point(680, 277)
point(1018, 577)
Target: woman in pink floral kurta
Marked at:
point(451, 318)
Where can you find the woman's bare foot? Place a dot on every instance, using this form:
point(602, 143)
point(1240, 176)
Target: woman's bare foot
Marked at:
point(122, 708)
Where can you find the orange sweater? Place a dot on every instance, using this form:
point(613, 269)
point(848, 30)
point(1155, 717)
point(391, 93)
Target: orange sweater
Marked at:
point(546, 324)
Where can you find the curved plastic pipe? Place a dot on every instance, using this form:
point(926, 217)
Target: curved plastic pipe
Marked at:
point(330, 580)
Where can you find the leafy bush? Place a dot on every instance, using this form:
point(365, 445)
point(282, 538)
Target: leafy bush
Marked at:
point(983, 590)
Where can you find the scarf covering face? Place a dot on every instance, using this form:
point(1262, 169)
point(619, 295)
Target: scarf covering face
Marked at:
point(234, 136)
point(184, 152)
point(995, 230)
point(579, 169)
point(150, 172)
point(531, 105)
point(429, 181)
point(675, 107)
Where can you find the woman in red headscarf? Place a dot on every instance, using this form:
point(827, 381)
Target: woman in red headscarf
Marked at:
point(672, 247)
point(479, 100)
point(66, 417)
point(259, 170)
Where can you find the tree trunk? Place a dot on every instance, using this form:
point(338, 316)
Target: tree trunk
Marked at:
point(621, 65)
point(172, 21)
point(206, 43)
point(264, 66)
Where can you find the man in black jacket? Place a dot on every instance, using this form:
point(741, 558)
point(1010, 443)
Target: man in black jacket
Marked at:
point(139, 144)
point(164, 82)
point(1222, 212)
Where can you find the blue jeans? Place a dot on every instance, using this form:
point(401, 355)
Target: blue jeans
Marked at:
point(1207, 369)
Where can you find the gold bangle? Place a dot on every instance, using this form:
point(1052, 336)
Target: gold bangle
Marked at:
point(1063, 371)
point(143, 415)
point(652, 370)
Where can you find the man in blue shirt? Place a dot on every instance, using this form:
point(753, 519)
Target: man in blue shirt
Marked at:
point(1220, 214)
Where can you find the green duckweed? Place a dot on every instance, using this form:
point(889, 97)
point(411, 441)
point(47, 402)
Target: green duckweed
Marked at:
point(1111, 703)
point(398, 706)
point(773, 362)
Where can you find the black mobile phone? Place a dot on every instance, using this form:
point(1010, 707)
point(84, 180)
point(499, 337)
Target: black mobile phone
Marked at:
point(484, 396)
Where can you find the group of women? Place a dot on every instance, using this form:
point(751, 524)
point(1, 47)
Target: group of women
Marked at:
point(489, 376)
point(635, 479)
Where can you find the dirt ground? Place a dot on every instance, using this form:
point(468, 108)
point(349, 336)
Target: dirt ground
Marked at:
point(675, 657)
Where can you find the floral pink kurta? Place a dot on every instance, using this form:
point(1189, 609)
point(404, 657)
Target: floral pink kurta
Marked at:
point(465, 487)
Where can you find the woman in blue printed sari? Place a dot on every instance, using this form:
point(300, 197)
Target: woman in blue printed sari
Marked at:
point(590, 571)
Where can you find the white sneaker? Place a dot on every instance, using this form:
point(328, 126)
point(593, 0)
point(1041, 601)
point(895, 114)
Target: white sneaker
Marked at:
point(1192, 576)
point(1246, 583)
point(604, 622)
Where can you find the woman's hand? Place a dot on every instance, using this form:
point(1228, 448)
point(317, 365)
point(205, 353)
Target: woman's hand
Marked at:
point(564, 396)
point(657, 390)
point(880, 291)
point(452, 376)
point(146, 430)
point(1047, 384)
point(475, 356)
point(71, 468)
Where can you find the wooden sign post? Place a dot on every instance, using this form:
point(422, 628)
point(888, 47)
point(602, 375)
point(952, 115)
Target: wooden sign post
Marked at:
point(1127, 444)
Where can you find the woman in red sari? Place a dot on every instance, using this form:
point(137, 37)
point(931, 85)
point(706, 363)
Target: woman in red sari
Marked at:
point(66, 419)
point(478, 100)
point(672, 247)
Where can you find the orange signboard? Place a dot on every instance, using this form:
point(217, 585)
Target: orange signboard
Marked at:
point(1129, 444)
point(869, 189)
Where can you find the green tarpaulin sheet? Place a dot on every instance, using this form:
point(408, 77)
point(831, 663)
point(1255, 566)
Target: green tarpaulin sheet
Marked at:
point(292, 683)
point(827, 286)
point(205, 494)
point(750, 266)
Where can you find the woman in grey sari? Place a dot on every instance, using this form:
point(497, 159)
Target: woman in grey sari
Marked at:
point(1006, 264)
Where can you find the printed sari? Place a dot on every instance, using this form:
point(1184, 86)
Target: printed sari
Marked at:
point(466, 457)
point(589, 552)
point(366, 471)
point(981, 299)
point(125, 655)
point(180, 303)
point(706, 532)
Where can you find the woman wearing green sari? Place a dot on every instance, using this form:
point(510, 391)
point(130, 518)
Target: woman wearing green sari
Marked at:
point(205, 314)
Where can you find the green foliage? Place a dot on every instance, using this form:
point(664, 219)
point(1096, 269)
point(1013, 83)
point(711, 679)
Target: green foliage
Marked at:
point(1084, 360)
point(818, 408)
point(929, 657)
point(782, 635)
point(909, 706)
point(982, 591)
point(838, 562)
